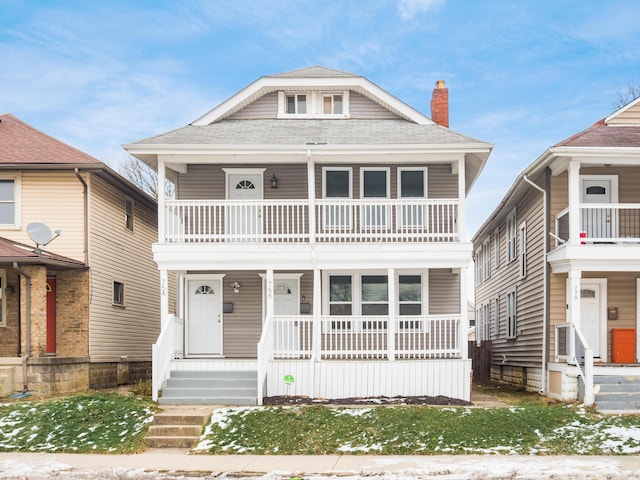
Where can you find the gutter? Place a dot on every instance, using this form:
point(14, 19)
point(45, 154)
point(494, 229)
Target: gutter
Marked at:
point(26, 356)
point(544, 284)
point(86, 216)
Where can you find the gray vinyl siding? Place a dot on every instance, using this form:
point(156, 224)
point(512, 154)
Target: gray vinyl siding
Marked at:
point(361, 107)
point(526, 349)
point(117, 254)
point(242, 328)
point(263, 108)
point(207, 182)
point(444, 292)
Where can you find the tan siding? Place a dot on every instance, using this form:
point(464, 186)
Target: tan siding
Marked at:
point(526, 349)
point(360, 107)
point(558, 198)
point(444, 292)
point(56, 200)
point(117, 254)
point(263, 108)
point(631, 116)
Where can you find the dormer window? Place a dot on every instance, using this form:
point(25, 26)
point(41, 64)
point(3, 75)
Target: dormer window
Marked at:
point(312, 104)
point(296, 103)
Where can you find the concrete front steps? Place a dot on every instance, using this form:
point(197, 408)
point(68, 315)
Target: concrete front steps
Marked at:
point(177, 428)
point(199, 387)
point(617, 393)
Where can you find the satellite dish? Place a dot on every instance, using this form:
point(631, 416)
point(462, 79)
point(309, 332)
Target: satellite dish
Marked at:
point(40, 234)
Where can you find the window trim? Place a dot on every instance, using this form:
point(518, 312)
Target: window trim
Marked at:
point(17, 201)
point(315, 104)
point(121, 302)
point(512, 313)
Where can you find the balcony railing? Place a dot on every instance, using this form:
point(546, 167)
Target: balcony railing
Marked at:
point(288, 221)
point(603, 223)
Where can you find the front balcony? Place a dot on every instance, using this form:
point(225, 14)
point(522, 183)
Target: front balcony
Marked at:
point(336, 220)
point(607, 223)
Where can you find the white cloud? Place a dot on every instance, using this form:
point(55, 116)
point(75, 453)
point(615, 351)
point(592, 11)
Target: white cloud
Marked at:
point(410, 8)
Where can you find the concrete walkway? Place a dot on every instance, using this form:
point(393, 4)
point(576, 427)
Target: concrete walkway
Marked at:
point(178, 462)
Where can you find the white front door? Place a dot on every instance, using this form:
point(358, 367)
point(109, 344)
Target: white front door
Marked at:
point(286, 304)
point(243, 222)
point(592, 319)
point(204, 318)
point(599, 222)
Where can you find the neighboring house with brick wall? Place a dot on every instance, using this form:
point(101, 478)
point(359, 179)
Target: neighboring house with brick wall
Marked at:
point(81, 311)
point(318, 235)
point(558, 269)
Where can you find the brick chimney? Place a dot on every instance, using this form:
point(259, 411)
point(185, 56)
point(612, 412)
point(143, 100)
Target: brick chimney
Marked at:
point(440, 104)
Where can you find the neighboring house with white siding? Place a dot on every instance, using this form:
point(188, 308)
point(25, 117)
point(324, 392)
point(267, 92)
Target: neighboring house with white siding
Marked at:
point(557, 268)
point(318, 238)
point(87, 316)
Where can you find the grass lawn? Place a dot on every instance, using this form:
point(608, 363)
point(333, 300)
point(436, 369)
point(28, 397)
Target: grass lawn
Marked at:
point(112, 423)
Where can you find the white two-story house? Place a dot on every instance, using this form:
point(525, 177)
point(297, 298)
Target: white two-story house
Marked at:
point(318, 239)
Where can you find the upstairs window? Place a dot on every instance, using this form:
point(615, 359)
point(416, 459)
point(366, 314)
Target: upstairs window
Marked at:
point(9, 202)
point(486, 258)
point(118, 293)
point(332, 104)
point(128, 214)
point(523, 249)
point(296, 104)
point(511, 236)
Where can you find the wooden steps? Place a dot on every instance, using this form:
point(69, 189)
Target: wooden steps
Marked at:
point(177, 428)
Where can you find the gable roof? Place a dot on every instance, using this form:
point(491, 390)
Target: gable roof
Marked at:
point(11, 252)
point(600, 134)
point(304, 79)
point(23, 147)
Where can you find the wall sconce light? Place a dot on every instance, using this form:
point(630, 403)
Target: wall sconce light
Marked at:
point(274, 181)
point(236, 287)
point(8, 289)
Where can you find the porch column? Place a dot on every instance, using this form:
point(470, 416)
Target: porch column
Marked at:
point(391, 323)
point(317, 321)
point(164, 298)
point(573, 189)
point(573, 304)
point(462, 220)
point(161, 212)
point(464, 315)
point(269, 290)
point(311, 188)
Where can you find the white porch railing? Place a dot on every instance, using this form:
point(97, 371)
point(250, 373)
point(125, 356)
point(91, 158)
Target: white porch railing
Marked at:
point(365, 337)
point(572, 346)
point(603, 223)
point(264, 354)
point(287, 221)
point(162, 353)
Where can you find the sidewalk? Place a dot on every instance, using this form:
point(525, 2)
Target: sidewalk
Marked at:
point(178, 462)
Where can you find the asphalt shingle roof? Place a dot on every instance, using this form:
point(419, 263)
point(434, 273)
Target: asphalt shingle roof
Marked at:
point(602, 135)
point(20, 143)
point(301, 132)
point(11, 251)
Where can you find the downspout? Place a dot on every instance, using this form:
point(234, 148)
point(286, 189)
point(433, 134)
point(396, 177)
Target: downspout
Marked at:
point(544, 284)
point(86, 216)
point(26, 356)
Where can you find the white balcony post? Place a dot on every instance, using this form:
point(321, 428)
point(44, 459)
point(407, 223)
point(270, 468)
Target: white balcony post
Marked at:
point(270, 290)
point(573, 188)
point(311, 188)
point(461, 218)
point(317, 312)
point(391, 322)
point(162, 215)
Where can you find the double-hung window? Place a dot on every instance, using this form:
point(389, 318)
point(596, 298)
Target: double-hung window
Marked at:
point(374, 190)
point(511, 313)
point(486, 258)
point(340, 301)
point(409, 300)
point(374, 300)
point(337, 187)
point(9, 202)
point(522, 235)
point(412, 184)
point(511, 235)
point(332, 104)
point(496, 247)
point(296, 103)
point(128, 214)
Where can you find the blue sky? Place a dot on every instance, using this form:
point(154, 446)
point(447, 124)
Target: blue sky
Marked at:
point(522, 75)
